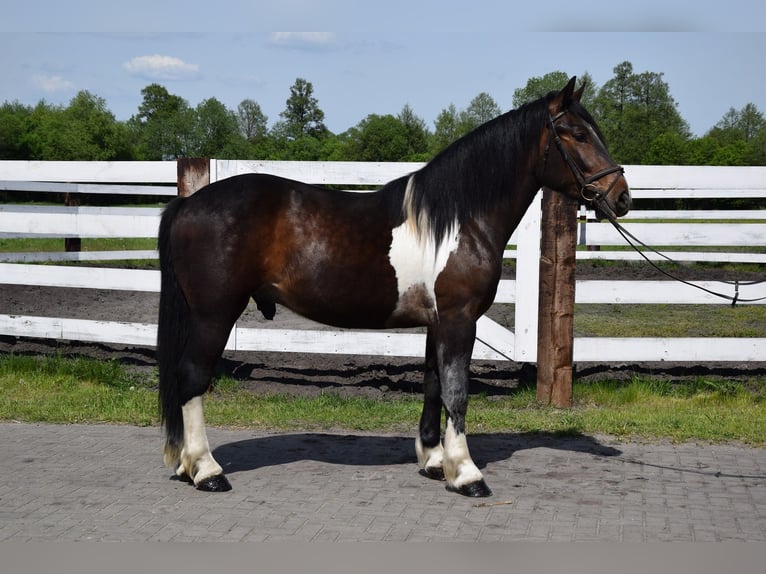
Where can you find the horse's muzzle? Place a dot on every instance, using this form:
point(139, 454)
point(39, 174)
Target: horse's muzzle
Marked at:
point(623, 203)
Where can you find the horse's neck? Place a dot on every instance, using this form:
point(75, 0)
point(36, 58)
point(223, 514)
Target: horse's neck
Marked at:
point(503, 220)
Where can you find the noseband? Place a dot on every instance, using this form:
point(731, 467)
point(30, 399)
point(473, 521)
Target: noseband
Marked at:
point(589, 192)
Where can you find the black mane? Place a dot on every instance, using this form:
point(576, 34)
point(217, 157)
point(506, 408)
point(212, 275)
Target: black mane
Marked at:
point(472, 174)
point(469, 176)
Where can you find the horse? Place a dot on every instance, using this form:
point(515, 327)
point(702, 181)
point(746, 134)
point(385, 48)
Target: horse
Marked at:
point(426, 249)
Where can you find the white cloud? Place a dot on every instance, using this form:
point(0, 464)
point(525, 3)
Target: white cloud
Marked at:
point(158, 67)
point(303, 40)
point(53, 84)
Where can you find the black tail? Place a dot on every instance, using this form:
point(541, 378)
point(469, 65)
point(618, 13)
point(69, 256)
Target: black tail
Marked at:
point(172, 333)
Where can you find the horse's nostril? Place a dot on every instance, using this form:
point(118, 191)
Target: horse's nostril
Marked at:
point(623, 203)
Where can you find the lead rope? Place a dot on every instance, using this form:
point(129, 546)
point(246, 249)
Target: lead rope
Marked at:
point(630, 238)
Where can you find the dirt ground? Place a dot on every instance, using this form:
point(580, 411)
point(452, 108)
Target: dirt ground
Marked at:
point(311, 374)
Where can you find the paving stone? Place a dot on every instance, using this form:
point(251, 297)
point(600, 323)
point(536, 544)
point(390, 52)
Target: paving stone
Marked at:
point(105, 482)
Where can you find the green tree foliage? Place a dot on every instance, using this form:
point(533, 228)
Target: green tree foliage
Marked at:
point(739, 138)
point(163, 126)
point(633, 110)
point(416, 134)
point(216, 131)
point(378, 138)
point(84, 130)
point(302, 116)
point(481, 109)
point(452, 124)
point(14, 129)
point(252, 121)
point(446, 128)
point(388, 138)
point(537, 87)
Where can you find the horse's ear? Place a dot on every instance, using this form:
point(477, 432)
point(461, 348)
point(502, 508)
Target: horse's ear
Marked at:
point(579, 92)
point(561, 101)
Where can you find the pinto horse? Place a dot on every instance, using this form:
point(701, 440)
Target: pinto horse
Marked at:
point(424, 250)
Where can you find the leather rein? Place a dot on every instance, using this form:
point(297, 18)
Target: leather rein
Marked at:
point(592, 194)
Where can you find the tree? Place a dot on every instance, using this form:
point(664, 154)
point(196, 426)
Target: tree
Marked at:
point(537, 87)
point(481, 109)
point(416, 134)
point(751, 122)
point(668, 149)
point(756, 153)
point(157, 102)
point(739, 138)
point(633, 110)
point(215, 128)
point(744, 124)
point(452, 124)
point(302, 116)
point(162, 128)
point(14, 128)
point(85, 130)
point(378, 138)
point(447, 129)
point(252, 120)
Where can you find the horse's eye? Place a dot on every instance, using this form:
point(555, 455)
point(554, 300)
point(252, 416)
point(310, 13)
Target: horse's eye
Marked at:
point(580, 137)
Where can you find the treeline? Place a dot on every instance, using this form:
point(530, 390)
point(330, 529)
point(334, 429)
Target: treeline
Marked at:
point(636, 112)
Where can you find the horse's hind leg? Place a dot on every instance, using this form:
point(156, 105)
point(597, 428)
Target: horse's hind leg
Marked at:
point(428, 445)
point(195, 371)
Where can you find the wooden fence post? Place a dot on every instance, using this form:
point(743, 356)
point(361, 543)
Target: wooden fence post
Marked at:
point(555, 334)
point(193, 174)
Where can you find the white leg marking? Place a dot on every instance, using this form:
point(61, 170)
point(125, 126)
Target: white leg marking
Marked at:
point(196, 460)
point(459, 469)
point(429, 456)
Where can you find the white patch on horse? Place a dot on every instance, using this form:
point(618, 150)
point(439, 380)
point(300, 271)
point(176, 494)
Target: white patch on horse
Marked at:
point(196, 460)
point(417, 259)
point(429, 457)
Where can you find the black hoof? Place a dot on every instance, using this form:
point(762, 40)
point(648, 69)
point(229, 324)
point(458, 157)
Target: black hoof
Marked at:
point(183, 477)
point(217, 483)
point(478, 489)
point(434, 473)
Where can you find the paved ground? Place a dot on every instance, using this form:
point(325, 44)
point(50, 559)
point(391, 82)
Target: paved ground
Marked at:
point(108, 483)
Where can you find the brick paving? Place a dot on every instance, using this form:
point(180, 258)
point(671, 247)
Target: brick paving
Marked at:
point(83, 482)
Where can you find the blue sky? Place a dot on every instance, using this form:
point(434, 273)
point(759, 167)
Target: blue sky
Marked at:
point(381, 55)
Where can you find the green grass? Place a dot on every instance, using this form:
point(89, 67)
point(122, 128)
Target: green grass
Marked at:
point(53, 244)
point(67, 390)
point(624, 320)
point(670, 320)
point(64, 390)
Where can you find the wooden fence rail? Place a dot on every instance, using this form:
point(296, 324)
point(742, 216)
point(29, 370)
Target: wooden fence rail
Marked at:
point(711, 241)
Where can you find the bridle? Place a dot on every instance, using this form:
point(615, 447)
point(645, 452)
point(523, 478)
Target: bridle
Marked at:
point(592, 194)
point(588, 191)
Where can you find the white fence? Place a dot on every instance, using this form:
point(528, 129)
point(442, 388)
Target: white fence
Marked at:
point(493, 341)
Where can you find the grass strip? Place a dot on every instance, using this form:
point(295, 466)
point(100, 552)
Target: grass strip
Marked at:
point(56, 389)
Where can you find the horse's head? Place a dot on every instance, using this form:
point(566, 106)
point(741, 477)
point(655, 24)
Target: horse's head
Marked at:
point(575, 160)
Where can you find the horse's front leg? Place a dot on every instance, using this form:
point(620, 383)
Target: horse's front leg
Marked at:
point(454, 345)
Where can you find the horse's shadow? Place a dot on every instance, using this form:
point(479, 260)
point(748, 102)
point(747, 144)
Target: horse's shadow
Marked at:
point(361, 450)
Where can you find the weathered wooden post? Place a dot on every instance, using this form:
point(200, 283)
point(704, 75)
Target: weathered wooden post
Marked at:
point(193, 174)
point(555, 334)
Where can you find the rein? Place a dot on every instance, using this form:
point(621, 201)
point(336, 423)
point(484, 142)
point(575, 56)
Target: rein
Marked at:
point(591, 194)
point(630, 239)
